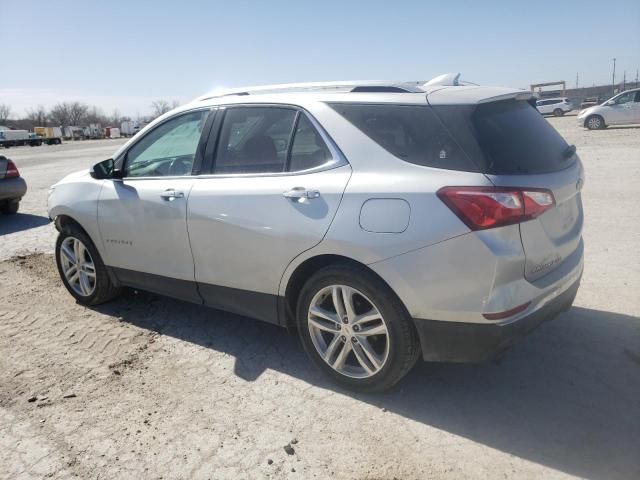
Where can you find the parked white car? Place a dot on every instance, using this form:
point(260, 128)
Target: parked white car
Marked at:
point(555, 106)
point(623, 109)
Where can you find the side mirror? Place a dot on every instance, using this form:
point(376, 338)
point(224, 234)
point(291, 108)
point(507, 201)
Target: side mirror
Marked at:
point(105, 170)
point(610, 102)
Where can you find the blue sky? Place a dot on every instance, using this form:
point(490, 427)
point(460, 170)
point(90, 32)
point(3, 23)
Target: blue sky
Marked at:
point(126, 53)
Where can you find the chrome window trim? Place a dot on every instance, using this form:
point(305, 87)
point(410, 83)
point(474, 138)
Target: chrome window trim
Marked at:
point(337, 160)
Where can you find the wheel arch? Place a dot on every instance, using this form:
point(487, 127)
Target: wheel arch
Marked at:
point(308, 267)
point(64, 219)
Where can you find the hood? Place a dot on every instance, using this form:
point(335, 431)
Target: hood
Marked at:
point(73, 176)
point(589, 110)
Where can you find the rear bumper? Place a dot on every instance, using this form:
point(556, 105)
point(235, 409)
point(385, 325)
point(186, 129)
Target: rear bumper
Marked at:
point(474, 342)
point(12, 188)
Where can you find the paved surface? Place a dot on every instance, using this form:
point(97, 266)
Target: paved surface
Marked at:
point(159, 388)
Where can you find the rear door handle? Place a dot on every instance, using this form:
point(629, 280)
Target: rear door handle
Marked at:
point(170, 194)
point(301, 193)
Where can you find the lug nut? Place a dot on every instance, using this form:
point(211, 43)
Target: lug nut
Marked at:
point(354, 339)
point(356, 328)
point(343, 338)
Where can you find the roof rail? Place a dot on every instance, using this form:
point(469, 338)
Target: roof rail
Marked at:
point(348, 86)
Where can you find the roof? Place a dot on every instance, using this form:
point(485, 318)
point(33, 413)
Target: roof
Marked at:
point(444, 89)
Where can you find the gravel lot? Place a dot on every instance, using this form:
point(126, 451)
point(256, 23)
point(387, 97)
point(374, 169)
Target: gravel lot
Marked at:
point(148, 387)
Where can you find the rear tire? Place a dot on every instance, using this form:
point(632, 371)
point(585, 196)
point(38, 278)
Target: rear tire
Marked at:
point(10, 207)
point(89, 283)
point(341, 341)
point(558, 112)
point(595, 122)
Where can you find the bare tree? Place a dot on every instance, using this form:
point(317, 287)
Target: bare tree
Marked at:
point(37, 117)
point(60, 114)
point(160, 107)
point(116, 118)
point(95, 115)
point(77, 112)
point(68, 113)
point(5, 111)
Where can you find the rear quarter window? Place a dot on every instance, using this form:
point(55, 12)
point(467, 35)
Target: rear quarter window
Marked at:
point(412, 133)
point(507, 138)
point(515, 139)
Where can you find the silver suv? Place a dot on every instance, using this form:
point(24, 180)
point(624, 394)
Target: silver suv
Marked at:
point(383, 221)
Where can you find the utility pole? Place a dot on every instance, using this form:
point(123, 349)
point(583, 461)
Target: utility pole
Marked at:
point(624, 81)
point(577, 77)
point(636, 78)
point(613, 79)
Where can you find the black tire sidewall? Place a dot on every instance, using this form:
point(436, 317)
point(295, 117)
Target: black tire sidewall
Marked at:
point(10, 207)
point(402, 340)
point(103, 286)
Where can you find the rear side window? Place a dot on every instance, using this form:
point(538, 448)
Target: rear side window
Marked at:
point(268, 140)
point(254, 140)
point(516, 139)
point(308, 149)
point(412, 133)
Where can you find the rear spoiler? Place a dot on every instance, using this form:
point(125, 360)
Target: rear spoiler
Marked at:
point(528, 96)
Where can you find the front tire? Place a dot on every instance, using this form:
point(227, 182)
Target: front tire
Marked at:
point(594, 122)
point(355, 329)
point(81, 268)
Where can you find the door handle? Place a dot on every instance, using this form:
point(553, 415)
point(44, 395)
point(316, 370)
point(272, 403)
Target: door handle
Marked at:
point(300, 194)
point(171, 194)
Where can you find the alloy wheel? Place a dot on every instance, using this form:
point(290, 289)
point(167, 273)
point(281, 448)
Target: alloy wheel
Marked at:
point(348, 331)
point(594, 123)
point(77, 266)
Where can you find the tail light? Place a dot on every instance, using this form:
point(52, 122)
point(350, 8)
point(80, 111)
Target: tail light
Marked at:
point(12, 170)
point(481, 208)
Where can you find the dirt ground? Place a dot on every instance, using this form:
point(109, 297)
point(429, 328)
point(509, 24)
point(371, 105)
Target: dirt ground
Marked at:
point(148, 387)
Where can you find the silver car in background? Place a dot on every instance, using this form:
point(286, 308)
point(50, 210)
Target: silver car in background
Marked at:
point(622, 109)
point(383, 221)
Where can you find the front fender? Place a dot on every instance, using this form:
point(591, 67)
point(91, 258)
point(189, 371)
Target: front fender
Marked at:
point(78, 200)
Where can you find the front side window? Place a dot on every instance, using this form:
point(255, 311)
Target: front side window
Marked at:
point(169, 149)
point(625, 98)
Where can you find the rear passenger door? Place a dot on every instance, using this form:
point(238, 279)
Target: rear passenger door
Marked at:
point(275, 184)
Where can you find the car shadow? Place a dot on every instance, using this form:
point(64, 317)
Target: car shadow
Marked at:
point(20, 222)
point(567, 396)
point(622, 127)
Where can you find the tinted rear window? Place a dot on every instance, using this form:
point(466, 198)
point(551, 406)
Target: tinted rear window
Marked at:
point(412, 133)
point(516, 139)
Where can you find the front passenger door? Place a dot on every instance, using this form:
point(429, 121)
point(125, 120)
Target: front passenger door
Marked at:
point(622, 110)
point(142, 217)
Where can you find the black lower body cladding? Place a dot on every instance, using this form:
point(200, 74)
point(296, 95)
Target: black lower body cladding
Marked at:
point(473, 342)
